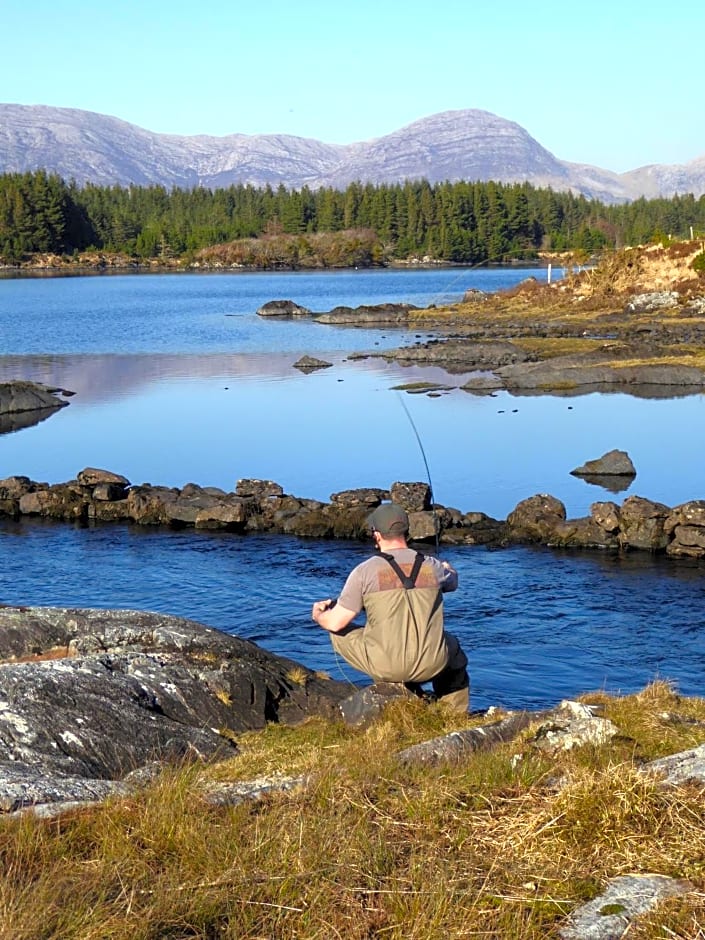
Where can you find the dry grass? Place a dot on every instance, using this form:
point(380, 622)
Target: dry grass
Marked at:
point(493, 848)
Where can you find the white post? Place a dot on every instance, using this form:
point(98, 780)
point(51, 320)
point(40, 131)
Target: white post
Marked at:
point(549, 273)
point(691, 233)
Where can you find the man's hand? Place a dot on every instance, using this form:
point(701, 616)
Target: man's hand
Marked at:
point(330, 615)
point(319, 607)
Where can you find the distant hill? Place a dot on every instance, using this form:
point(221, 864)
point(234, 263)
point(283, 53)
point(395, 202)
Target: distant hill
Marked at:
point(454, 145)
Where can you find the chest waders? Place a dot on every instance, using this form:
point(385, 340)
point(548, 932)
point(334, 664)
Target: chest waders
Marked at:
point(408, 581)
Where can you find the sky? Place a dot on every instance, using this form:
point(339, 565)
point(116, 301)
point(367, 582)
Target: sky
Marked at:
point(613, 83)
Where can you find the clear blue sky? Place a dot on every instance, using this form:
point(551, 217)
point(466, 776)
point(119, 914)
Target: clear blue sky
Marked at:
point(613, 83)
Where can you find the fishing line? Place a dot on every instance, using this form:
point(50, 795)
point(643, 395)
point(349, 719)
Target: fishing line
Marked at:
point(425, 461)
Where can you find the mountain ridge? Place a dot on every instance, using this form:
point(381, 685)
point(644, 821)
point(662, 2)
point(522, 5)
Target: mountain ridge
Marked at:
point(469, 144)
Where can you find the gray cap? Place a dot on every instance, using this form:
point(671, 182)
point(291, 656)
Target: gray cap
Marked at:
point(389, 519)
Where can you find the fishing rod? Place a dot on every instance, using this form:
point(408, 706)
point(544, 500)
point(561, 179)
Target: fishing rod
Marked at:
point(425, 461)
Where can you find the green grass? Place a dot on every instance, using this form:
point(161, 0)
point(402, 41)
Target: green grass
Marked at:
point(492, 847)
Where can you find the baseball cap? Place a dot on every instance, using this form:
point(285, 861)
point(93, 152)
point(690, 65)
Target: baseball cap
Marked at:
point(389, 519)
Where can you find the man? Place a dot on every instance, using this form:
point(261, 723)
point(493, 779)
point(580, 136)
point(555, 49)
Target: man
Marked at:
point(400, 591)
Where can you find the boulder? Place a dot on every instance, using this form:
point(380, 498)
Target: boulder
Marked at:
point(369, 497)
point(92, 476)
point(258, 489)
point(642, 524)
point(535, 519)
point(606, 515)
point(613, 463)
point(423, 526)
point(414, 497)
point(20, 396)
point(91, 695)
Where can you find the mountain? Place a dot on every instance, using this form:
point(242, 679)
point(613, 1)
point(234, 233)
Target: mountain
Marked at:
point(453, 145)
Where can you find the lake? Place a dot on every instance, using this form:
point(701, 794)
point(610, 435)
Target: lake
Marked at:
point(177, 380)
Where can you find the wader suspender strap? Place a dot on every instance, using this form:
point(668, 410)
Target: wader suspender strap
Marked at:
point(409, 581)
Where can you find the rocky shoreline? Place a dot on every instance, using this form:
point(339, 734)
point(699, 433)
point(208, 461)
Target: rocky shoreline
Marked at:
point(99, 496)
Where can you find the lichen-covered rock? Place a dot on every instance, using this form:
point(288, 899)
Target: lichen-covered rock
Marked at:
point(95, 694)
point(608, 916)
point(677, 769)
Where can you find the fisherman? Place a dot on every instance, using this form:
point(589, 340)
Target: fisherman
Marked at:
point(400, 590)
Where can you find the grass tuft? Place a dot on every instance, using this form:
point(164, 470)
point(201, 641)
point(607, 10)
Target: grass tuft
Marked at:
point(496, 846)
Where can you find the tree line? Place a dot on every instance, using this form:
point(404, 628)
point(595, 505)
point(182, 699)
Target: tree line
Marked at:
point(462, 222)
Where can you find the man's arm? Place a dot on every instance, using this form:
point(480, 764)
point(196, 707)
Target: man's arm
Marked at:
point(331, 616)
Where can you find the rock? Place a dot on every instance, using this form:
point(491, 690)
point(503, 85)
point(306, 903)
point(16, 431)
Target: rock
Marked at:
point(580, 533)
point(386, 314)
point(21, 396)
point(414, 497)
point(613, 463)
point(475, 295)
point(691, 513)
point(458, 745)
point(678, 769)
point(259, 489)
point(65, 501)
point(642, 524)
point(286, 309)
point(572, 725)
point(608, 916)
point(311, 364)
point(132, 688)
point(606, 515)
point(535, 519)
point(232, 794)
point(225, 515)
point(369, 497)
point(558, 376)
point(368, 703)
point(461, 355)
point(94, 477)
point(655, 300)
point(423, 526)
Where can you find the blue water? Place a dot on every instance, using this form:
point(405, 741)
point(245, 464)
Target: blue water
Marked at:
point(178, 380)
point(538, 625)
point(213, 313)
